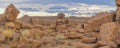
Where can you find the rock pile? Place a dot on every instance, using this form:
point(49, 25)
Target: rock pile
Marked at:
point(100, 31)
point(61, 22)
point(94, 23)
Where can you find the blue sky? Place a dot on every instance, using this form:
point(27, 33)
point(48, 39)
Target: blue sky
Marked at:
point(102, 2)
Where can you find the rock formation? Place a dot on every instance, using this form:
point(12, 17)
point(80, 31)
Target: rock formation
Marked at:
point(111, 30)
point(94, 23)
point(11, 12)
point(118, 3)
point(100, 31)
point(118, 11)
point(109, 34)
point(61, 22)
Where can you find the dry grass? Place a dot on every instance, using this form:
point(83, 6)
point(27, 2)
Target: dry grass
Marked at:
point(25, 32)
point(60, 37)
point(8, 33)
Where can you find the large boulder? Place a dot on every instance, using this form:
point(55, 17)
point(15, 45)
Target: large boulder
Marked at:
point(105, 47)
point(2, 19)
point(89, 40)
point(118, 2)
point(11, 12)
point(74, 36)
point(118, 15)
point(61, 28)
point(109, 32)
point(86, 46)
point(105, 43)
point(61, 22)
point(94, 23)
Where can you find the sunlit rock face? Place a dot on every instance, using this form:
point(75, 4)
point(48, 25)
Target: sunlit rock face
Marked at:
point(11, 12)
point(118, 2)
point(94, 23)
point(118, 11)
point(100, 31)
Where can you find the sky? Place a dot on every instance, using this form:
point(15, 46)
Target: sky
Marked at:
point(39, 7)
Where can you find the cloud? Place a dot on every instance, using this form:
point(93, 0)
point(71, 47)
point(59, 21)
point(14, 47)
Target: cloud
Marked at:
point(40, 6)
point(2, 10)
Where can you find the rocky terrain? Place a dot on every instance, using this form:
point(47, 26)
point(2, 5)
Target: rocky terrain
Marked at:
point(100, 31)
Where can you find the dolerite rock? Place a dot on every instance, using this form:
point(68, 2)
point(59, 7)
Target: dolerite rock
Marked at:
point(86, 46)
point(2, 19)
point(105, 46)
point(61, 19)
point(89, 40)
point(80, 28)
point(11, 12)
point(61, 28)
point(61, 22)
point(118, 2)
point(94, 23)
point(74, 36)
point(105, 43)
point(109, 32)
point(118, 11)
point(118, 15)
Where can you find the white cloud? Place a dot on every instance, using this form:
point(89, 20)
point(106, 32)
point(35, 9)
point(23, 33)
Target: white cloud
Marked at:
point(2, 10)
point(82, 8)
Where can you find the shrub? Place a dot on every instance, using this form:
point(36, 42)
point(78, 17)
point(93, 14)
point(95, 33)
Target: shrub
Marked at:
point(25, 32)
point(8, 33)
point(60, 37)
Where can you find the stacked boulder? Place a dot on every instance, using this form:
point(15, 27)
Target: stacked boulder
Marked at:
point(61, 22)
point(8, 25)
point(11, 12)
point(100, 31)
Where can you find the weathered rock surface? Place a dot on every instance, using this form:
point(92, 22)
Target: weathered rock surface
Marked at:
point(94, 23)
point(61, 22)
point(74, 36)
point(109, 32)
point(11, 12)
point(87, 46)
point(89, 40)
point(118, 2)
point(105, 47)
point(118, 15)
point(100, 31)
